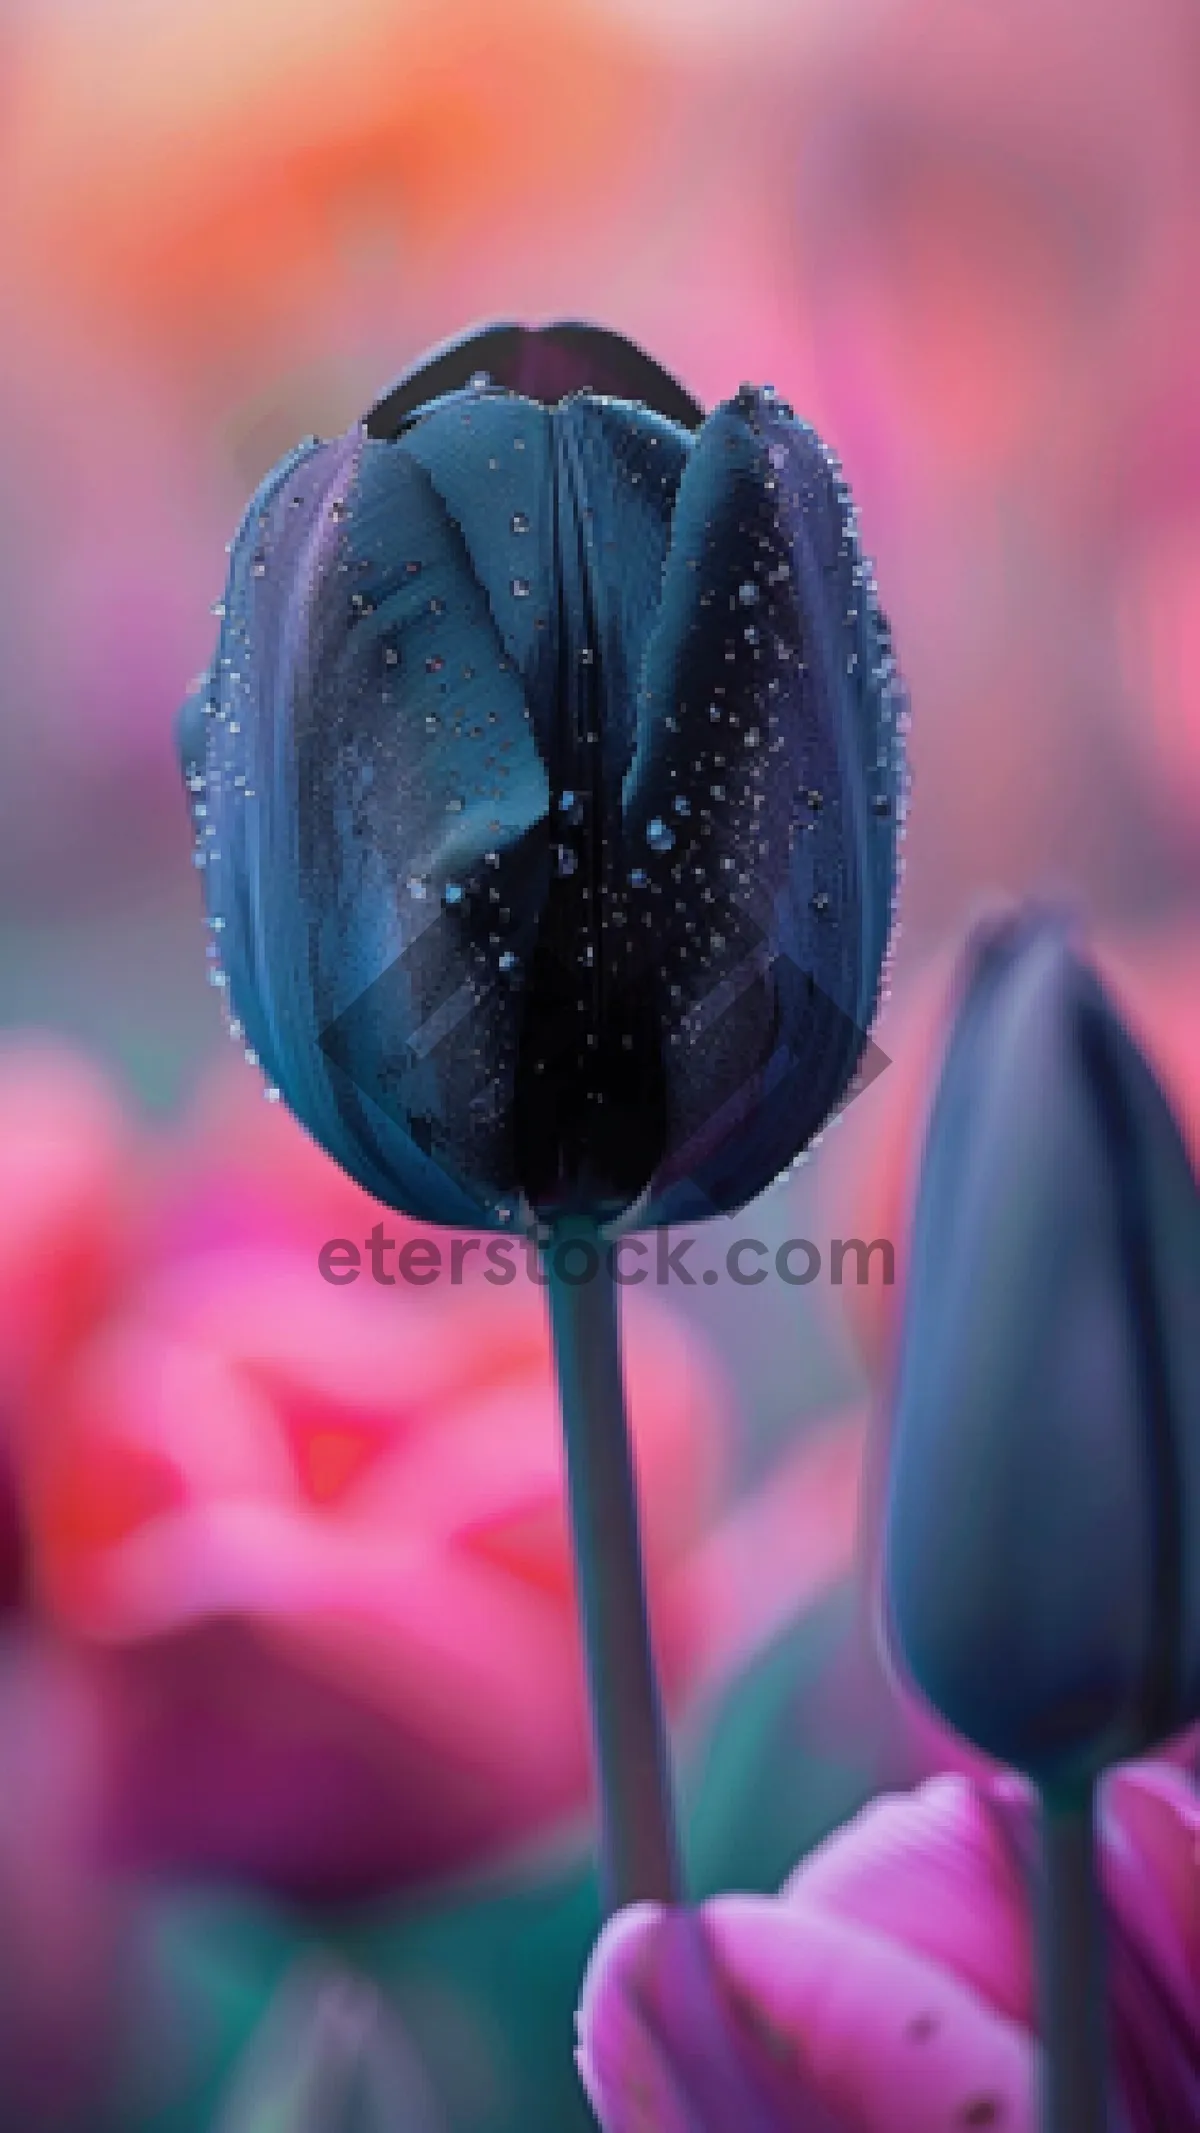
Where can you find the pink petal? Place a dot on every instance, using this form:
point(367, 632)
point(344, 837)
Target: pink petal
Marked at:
point(930, 1871)
point(834, 2025)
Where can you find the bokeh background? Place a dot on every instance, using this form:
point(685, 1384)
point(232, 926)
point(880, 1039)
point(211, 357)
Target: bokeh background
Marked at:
point(292, 1776)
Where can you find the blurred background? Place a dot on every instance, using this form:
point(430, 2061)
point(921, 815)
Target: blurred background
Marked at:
point(291, 1746)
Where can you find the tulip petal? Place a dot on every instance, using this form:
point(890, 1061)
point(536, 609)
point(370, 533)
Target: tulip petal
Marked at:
point(354, 890)
point(757, 2017)
point(542, 363)
point(762, 806)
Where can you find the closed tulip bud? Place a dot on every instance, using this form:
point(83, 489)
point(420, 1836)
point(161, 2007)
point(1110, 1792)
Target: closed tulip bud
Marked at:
point(547, 784)
point(329, 2056)
point(1042, 1565)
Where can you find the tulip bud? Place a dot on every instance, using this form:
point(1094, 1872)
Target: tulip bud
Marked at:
point(328, 2057)
point(547, 783)
point(1042, 1555)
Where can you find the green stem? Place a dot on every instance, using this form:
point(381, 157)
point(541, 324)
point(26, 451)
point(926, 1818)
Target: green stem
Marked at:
point(639, 1848)
point(1071, 1962)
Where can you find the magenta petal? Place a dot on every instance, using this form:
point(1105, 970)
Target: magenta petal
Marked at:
point(1151, 1879)
point(665, 2044)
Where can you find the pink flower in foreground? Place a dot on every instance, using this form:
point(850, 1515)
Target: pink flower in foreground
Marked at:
point(890, 1987)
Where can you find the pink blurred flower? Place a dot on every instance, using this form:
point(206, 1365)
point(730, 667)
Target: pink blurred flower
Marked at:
point(890, 1987)
point(311, 1538)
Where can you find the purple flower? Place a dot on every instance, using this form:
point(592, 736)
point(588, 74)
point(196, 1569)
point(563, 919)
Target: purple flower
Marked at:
point(889, 1988)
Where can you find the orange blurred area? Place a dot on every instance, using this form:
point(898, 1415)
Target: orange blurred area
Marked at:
point(212, 189)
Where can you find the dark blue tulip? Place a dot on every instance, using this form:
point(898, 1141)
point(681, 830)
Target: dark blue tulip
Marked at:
point(1042, 1562)
point(548, 786)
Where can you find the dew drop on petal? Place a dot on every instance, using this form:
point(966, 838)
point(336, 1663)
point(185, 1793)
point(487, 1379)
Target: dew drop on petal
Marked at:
point(659, 836)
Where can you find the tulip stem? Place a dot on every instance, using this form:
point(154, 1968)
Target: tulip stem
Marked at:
point(639, 1849)
point(1071, 1959)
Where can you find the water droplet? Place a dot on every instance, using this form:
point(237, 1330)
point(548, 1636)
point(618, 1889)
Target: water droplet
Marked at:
point(519, 522)
point(218, 607)
point(587, 657)
point(716, 713)
point(418, 888)
point(638, 878)
point(432, 722)
point(479, 381)
point(509, 964)
point(452, 893)
point(819, 903)
point(681, 804)
point(271, 1094)
point(520, 588)
point(748, 593)
point(571, 808)
point(659, 836)
point(391, 657)
point(566, 861)
point(716, 792)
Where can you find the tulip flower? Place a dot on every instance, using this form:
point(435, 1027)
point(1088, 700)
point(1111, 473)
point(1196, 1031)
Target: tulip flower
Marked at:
point(889, 1987)
point(547, 784)
point(1042, 1552)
